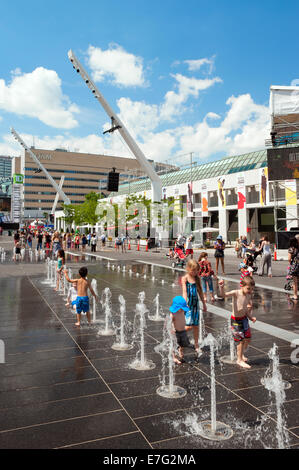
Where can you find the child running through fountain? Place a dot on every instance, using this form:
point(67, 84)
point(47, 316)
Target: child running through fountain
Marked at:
point(60, 264)
point(82, 301)
point(72, 296)
point(191, 290)
point(178, 309)
point(242, 309)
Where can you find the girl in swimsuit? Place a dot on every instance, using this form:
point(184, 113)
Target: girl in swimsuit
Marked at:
point(191, 290)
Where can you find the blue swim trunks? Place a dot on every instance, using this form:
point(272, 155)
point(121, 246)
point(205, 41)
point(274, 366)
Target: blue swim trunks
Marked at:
point(82, 304)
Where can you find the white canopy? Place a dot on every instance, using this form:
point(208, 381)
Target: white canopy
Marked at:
point(284, 100)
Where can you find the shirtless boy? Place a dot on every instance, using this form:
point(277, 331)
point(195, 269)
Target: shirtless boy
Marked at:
point(82, 301)
point(242, 308)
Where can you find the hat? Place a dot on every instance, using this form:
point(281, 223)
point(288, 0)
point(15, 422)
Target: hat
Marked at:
point(179, 303)
point(242, 265)
point(219, 237)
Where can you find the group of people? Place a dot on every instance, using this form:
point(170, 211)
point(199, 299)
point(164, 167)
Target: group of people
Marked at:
point(185, 309)
point(262, 248)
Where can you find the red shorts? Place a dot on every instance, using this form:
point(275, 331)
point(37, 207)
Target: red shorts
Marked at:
point(240, 328)
point(189, 252)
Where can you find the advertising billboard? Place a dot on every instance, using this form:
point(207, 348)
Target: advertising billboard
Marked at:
point(283, 163)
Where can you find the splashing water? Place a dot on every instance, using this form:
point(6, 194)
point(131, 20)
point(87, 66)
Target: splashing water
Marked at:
point(167, 350)
point(94, 303)
point(158, 316)
point(140, 363)
point(122, 345)
point(106, 305)
point(214, 429)
point(231, 359)
point(273, 382)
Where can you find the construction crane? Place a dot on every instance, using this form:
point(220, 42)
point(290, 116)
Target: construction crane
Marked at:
point(118, 125)
point(36, 160)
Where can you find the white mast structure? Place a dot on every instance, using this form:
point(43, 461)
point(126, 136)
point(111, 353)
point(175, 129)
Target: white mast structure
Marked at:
point(57, 195)
point(36, 160)
point(118, 125)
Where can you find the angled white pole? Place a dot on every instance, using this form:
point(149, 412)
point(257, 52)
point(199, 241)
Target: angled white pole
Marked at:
point(57, 195)
point(117, 124)
point(54, 184)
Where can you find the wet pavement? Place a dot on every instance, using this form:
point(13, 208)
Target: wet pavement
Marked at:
point(64, 387)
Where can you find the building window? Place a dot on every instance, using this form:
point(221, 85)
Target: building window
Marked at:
point(213, 198)
point(231, 197)
point(252, 194)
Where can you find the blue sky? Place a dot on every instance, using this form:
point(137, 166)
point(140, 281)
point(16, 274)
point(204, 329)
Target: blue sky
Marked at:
point(183, 76)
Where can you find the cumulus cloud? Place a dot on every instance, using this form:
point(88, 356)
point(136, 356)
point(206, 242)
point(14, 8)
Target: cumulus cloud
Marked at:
point(243, 129)
point(118, 65)
point(38, 94)
point(197, 64)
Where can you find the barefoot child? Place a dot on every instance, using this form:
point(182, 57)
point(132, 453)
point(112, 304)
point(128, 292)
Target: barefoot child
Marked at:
point(242, 309)
point(206, 273)
point(177, 312)
point(72, 296)
point(82, 302)
point(60, 264)
point(191, 290)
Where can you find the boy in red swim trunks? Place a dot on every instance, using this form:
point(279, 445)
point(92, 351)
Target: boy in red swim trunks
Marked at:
point(242, 308)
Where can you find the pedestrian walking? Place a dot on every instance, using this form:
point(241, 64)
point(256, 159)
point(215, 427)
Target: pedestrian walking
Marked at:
point(219, 246)
point(266, 258)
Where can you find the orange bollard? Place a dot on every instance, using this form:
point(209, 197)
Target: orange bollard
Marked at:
point(129, 245)
point(146, 249)
point(138, 248)
point(275, 253)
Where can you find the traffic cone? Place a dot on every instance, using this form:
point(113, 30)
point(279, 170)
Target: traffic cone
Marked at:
point(275, 253)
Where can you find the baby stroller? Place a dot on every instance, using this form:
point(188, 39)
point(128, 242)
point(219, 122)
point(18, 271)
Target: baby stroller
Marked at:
point(251, 261)
point(177, 257)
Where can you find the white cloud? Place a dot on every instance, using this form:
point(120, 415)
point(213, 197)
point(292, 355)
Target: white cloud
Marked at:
point(38, 94)
point(244, 129)
point(124, 68)
point(198, 63)
point(187, 87)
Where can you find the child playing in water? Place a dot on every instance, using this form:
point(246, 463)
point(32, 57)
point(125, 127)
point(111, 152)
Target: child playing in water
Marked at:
point(72, 296)
point(206, 273)
point(17, 252)
point(82, 301)
point(178, 309)
point(60, 264)
point(191, 290)
point(245, 271)
point(242, 308)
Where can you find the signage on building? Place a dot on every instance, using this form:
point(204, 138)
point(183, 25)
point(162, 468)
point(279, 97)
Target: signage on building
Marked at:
point(283, 163)
point(290, 192)
point(241, 190)
point(44, 156)
point(264, 186)
point(18, 178)
point(204, 199)
point(221, 192)
point(16, 202)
